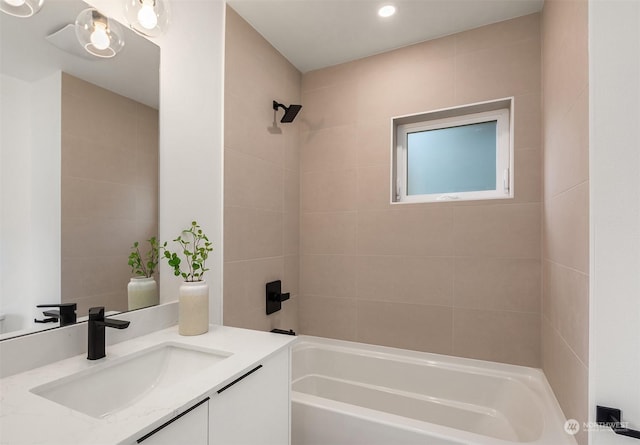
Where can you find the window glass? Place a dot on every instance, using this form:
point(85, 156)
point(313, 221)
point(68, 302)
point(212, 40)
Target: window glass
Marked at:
point(454, 159)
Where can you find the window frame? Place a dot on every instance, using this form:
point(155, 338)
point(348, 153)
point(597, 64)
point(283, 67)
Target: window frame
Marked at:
point(500, 111)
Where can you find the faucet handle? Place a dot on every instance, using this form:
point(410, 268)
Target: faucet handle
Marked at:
point(96, 313)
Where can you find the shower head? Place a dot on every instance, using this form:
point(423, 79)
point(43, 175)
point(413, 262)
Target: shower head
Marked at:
point(290, 112)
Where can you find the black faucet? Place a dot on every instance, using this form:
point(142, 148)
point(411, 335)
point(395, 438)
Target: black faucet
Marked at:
point(96, 325)
point(66, 313)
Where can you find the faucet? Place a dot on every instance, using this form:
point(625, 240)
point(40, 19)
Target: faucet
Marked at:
point(66, 313)
point(96, 325)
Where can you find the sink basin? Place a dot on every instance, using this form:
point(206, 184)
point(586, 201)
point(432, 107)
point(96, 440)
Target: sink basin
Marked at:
point(112, 386)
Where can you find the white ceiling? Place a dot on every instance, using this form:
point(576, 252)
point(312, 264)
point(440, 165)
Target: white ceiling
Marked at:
point(314, 34)
point(26, 54)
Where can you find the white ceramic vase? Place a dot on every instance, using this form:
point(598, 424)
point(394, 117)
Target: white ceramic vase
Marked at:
point(193, 312)
point(142, 292)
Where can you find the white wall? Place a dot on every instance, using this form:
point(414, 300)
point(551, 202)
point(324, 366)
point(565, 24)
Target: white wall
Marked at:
point(191, 113)
point(614, 72)
point(30, 198)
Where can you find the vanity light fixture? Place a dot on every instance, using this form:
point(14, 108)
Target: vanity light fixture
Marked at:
point(147, 17)
point(98, 34)
point(387, 11)
point(21, 8)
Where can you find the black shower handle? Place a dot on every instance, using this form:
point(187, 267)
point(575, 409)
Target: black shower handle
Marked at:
point(611, 417)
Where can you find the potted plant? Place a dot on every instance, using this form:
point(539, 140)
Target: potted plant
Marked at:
point(193, 318)
point(142, 290)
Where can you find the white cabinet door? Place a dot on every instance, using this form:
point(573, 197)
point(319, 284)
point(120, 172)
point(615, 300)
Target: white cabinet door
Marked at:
point(189, 428)
point(255, 409)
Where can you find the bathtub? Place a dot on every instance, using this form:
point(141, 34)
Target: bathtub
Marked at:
point(346, 393)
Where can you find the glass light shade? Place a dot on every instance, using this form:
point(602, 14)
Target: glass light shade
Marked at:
point(21, 8)
point(147, 17)
point(98, 34)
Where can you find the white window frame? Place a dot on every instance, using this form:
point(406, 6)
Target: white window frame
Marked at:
point(500, 111)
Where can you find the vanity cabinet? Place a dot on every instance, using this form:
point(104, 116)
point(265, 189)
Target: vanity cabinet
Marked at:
point(188, 428)
point(254, 409)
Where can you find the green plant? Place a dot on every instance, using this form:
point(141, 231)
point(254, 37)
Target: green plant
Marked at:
point(148, 265)
point(195, 248)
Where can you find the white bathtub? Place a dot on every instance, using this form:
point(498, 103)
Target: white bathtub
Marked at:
point(346, 393)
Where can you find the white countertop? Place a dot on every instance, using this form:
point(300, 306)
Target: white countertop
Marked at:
point(26, 418)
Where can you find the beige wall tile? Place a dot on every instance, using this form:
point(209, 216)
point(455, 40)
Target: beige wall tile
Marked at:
point(262, 181)
point(328, 275)
point(567, 376)
point(509, 284)
point(374, 188)
point(509, 337)
point(566, 225)
point(527, 121)
point(252, 233)
point(326, 77)
point(329, 191)
point(405, 279)
point(328, 233)
point(528, 176)
point(498, 231)
point(330, 106)
point(566, 210)
point(244, 299)
point(392, 85)
point(566, 306)
point(498, 34)
point(565, 42)
point(252, 182)
point(410, 231)
point(409, 326)
point(291, 276)
point(373, 140)
point(498, 72)
point(291, 233)
point(332, 148)
point(291, 192)
point(328, 317)
point(567, 146)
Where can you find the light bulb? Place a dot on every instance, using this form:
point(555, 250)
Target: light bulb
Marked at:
point(15, 3)
point(147, 15)
point(387, 11)
point(99, 37)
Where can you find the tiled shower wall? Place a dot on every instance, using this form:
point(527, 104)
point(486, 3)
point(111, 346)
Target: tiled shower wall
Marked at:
point(261, 187)
point(109, 191)
point(565, 321)
point(452, 278)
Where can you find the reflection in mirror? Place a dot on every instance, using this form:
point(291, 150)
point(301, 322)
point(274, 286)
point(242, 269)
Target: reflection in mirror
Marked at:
point(78, 168)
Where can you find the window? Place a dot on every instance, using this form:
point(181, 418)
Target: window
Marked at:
point(465, 153)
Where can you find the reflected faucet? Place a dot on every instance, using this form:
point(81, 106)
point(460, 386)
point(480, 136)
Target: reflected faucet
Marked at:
point(95, 328)
point(66, 313)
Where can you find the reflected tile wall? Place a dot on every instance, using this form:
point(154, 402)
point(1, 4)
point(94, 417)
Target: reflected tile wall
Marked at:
point(109, 191)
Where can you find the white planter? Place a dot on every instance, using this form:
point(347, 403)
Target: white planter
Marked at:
point(193, 312)
point(142, 292)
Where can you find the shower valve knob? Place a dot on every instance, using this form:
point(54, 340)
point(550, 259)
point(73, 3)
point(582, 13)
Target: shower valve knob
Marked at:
point(275, 297)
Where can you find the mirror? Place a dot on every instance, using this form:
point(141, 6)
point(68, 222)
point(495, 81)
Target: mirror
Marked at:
point(78, 167)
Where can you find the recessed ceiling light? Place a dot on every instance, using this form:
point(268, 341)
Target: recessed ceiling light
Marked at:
point(387, 11)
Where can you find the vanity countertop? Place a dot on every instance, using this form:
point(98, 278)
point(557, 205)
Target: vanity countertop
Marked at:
point(26, 418)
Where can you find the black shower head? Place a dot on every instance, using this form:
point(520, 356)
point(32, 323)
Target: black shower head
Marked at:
point(290, 112)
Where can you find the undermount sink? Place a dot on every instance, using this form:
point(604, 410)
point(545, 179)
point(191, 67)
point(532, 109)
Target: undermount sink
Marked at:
point(112, 386)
